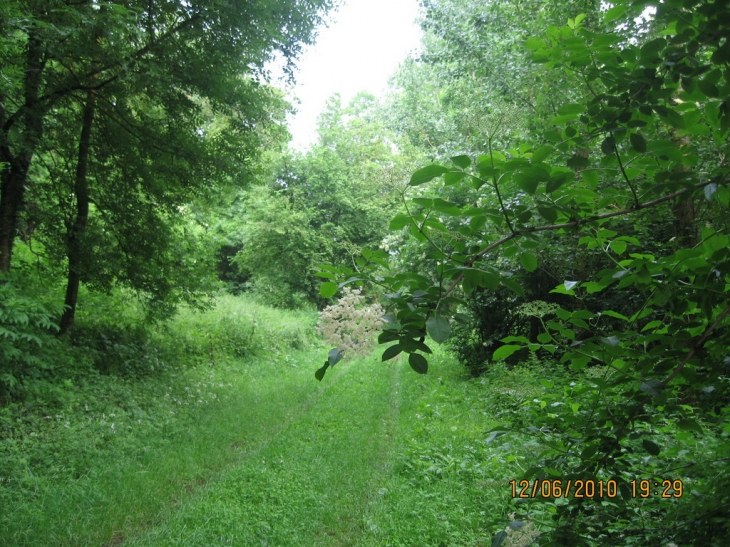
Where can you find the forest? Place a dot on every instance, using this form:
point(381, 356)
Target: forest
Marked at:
point(490, 307)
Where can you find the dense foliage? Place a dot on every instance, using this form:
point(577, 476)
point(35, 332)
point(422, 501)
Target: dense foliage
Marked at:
point(544, 190)
point(632, 168)
point(118, 120)
point(323, 206)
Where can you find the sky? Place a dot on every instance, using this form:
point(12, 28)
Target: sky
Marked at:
point(361, 48)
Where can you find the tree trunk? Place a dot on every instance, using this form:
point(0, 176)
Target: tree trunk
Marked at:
point(15, 172)
point(74, 239)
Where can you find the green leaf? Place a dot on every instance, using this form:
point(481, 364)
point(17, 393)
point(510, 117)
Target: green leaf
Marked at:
point(438, 328)
point(504, 352)
point(392, 351)
point(319, 374)
point(652, 48)
point(461, 161)
point(651, 447)
point(577, 161)
point(571, 108)
point(618, 247)
point(400, 221)
point(452, 177)
point(513, 286)
point(708, 88)
point(721, 54)
point(481, 278)
point(614, 13)
point(533, 43)
point(426, 174)
point(608, 145)
point(526, 183)
point(446, 207)
point(591, 177)
point(528, 261)
point(477, 222)
point(611, 313)
point(418, 363)
point(334, 356)
point(637, 142)
point(548, 213)
point(423, 202)
point(328, 289)
point(541, 153)
point(689, 425)
point(557, 179)
point(387, 336)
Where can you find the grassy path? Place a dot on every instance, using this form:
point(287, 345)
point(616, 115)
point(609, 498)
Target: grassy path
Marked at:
point(309, 481)
point(373, 456)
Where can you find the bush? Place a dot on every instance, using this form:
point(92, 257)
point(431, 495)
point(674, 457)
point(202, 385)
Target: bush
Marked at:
point(27, 344)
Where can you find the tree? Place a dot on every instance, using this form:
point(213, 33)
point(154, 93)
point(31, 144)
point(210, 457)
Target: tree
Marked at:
point(322, 207)
point(151, 78)
point(52, 50)
point(473, 69)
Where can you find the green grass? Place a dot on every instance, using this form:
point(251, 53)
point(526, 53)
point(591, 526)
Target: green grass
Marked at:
point(375, 456)
point(245, 447)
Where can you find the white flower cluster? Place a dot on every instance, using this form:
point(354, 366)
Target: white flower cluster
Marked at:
point(350, 325)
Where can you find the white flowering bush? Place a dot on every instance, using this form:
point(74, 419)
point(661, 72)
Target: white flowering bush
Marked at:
point(350, 324)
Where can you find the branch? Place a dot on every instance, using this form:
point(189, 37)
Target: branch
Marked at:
point(626, 177)
point(697, 346)
point(52, 97)
point(572, 224)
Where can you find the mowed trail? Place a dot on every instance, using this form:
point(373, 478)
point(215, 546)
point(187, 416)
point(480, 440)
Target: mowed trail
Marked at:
point(310, 477)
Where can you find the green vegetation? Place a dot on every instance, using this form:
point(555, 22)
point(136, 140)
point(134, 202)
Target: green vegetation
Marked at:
point(544, 191)
point(238, 450)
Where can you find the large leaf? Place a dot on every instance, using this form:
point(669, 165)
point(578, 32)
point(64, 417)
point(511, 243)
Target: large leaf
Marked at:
point(427, 174)
point(400, 221)
point(528, 261)
point(461, 161)
point(499, 538)
point(328, 289)
point(651, 447)
point(446, 207)
point(392, 351)
point(652, 386)
point(319, 374)
point(334, 356)
point(418, 363)
point(541, 153)
point(505, 351)
point(438, 328)
point(638, 142)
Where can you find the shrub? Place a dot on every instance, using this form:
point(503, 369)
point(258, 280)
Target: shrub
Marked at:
point(26, 338)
